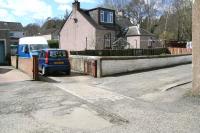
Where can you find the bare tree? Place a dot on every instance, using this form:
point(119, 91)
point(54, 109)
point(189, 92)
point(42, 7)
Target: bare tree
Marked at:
point(32, 29)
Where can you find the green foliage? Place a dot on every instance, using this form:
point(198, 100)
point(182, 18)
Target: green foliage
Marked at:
point(53, 43)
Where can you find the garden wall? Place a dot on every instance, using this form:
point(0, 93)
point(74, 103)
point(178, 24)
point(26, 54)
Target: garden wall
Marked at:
point(24, 64)
point(111, 65)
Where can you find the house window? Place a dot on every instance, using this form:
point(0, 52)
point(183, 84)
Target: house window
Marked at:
point(11, 34)
point(107, 41)
point(106, 16)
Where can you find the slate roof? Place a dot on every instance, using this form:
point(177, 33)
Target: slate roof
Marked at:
point(85, 13)
point(136, 31)
point(123, 21)
point(13, 26)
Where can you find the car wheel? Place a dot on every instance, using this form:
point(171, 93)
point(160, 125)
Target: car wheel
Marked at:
point(43, 71)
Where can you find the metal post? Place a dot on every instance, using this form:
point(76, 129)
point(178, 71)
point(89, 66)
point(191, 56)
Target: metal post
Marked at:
point(17, 61)
point(35, 68)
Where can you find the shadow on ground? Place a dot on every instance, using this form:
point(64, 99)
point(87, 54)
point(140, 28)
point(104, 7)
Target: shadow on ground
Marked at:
point(4, 70)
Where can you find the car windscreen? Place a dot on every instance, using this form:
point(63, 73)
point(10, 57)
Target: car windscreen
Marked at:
point(34, 47)
point(57, 54)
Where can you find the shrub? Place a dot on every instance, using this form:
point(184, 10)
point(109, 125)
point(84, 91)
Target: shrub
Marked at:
point(126, 52)
point(53, 43)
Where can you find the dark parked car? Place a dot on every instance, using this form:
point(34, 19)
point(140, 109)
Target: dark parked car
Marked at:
point(54, 60)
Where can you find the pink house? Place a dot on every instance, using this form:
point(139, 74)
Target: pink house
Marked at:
point(93, 29)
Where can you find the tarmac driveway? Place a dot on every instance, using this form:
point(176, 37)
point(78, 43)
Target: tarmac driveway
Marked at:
point(84, 104)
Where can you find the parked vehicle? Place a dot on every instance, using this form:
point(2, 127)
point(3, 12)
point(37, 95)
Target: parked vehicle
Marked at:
point(53, 60)
point(189, 45)
point(29, 46)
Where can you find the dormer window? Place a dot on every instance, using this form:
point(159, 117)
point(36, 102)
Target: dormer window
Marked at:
point(106, 16)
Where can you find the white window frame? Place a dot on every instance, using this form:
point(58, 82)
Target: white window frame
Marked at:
point(109, 16)
point(102, 15)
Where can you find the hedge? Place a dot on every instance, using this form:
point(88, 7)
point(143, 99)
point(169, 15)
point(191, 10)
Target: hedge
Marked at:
point(126, 52)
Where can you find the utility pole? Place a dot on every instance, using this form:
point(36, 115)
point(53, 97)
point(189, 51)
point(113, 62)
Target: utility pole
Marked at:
point(196, 47)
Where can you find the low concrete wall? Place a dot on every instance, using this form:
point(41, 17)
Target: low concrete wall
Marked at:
point(78, 62)
point(25, 65)
point(122, 64)
point(110, 66)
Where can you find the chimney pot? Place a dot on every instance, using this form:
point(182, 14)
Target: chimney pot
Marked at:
point(76, 5)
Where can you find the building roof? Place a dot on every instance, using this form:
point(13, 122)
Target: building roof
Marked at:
point(136, 31)
point(13, 26)
point(120, 22)
point(96, 25)
point(123, 21)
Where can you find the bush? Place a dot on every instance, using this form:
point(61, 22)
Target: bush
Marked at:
point(53, 43)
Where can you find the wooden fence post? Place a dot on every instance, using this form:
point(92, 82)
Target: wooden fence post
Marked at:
point(35, 68)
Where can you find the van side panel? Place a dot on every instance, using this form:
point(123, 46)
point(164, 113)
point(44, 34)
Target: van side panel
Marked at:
point(21, 52)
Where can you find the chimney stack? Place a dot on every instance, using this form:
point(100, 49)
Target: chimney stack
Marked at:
point(121, 13)
point(76, 5)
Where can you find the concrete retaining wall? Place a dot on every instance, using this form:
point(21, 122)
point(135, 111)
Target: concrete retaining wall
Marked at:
point(116, 66)
point(122, 64)
point(78, 62)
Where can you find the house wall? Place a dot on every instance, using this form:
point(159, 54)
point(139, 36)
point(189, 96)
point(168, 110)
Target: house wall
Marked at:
point(17, 34)
point(134, 41)
point(142, 42)
point(100, 38)
point(74, 36)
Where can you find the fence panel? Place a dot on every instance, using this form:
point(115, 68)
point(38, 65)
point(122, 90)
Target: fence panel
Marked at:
point(178, 51)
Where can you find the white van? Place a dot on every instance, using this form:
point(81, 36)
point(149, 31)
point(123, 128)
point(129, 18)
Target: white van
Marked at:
point(29, 46)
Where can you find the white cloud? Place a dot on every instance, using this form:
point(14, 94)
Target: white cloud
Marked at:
point(67, 4)
point(4, 15)
point(36, 9)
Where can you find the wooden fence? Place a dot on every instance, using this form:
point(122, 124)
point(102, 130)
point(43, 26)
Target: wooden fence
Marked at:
point(178, 51)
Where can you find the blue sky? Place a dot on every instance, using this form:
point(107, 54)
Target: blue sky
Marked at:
point(36, 11)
